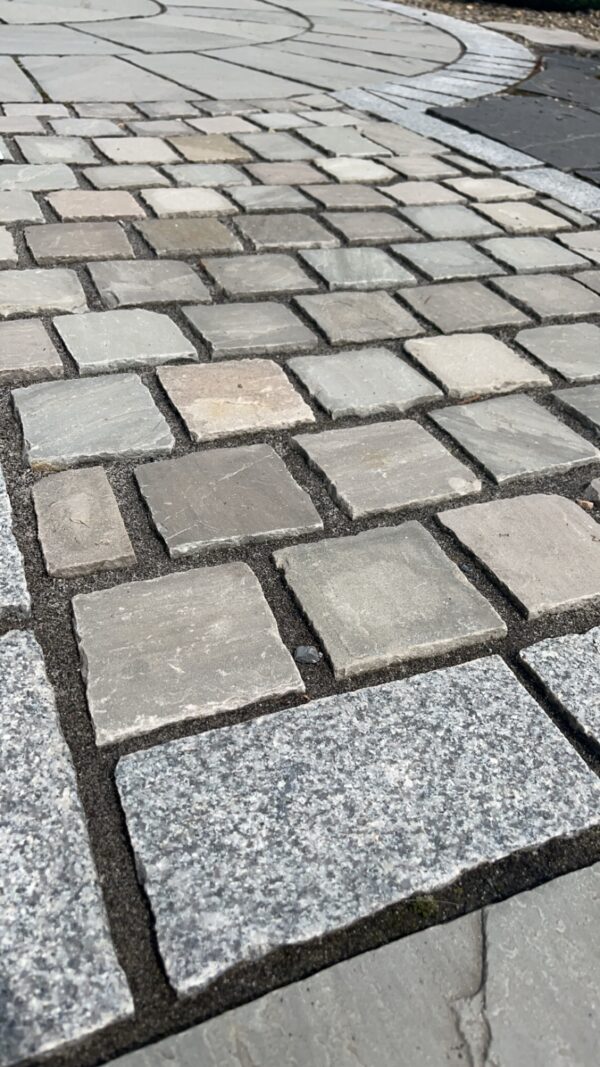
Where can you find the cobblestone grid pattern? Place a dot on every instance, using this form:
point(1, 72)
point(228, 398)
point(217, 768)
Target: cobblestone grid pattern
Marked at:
point(299, 549)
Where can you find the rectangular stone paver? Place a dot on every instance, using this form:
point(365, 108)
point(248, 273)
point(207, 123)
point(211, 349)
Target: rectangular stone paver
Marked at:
point(458, 306)
point(217, 648)
point(62, 980)
point(188, 237)
point(409, 193)
point(351, 169)
point(210, 148)
point(388, 790)
point(441, 260)
point(75, 204)
point(259, 274)
point(225, 496)
point(27, 353)
point(50, 149)
point(125, 176)
point(79, 524)
point(337, 581)
point(551, 296)
point(115, 340)
point(448, 221)
point(243, 329)
point(238, 396)
point(66, 242)
point(189, 202)
point(523, 217)
point(571, 349)
point(584, 402)
point(369, 227)
point(585, 244)
point(122, 283)
point(569, 668)
point(207, 174)
point(34, 177)
point(135, 150)
point(467, 365)
point(532, 254)
point(30, 292)
point(346, 318)
point(14, 596)
point(269, 198)
point(543, 549)
point(19, 207)
point(345, 197)
point(285, 231)
point(357, 268)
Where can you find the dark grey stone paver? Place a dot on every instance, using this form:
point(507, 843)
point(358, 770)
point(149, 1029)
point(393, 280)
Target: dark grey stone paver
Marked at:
point(123, 283)
point(225, 496)
point(27, 353)
point(337, 581)
point(569, 668)
point(448, 221)
point(512, 436)
point(583, 402)
point(172, 237)
point(443, 260)
point(551, 296)
point(79, 524)
point(62, 978)
point(543, 549)
point(255, 275)
point(216, 629)
point(531, 254)
point(369, 227)
point(348, 318)
point(571, 349)
point(33, 292)
point(357, 268)
point(14, 595)
point(456, 306)
point(467, 365)
point(243, 329)
point(114, 340)
point(66, 242)
point(285, 231)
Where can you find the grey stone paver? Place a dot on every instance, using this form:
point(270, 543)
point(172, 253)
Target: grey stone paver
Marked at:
point(239, 396)
point(269, 198)
point(187, 201)
point(336, 581)
point(67, 242)
point(571, 349)
point(123, 283)
point(124, 176)
point(448, 221)
point(15, 600)
point(276, 147)
point(8, 252)
point(244, 329)
point(409, 193)
point(568, 668)
point(443, 260)
point(551, 296)
point(30, 292)
point(522, 217)
point(115, 340)
point(512, 436)
point(49, 149)
point(225, 496)
point(366, 381)
point(456, 306)
point(34, 177)
point(386, 467)
point(530, 254)
point(347, 196)
point(79, 524)
point(135, 150)
point(172, 237)
point(216, 628)
point(543, 549)
point(206, 174)
point(369, 227)
point(344, 141)
point(591, 278)
point(586, 243)
point(426, 167)
point(346, 318)
point(357, 268)
point(209, 148)
point(351, 169)
point(490, 189)
point(584, 402)
point(298, 173)
point(282, 762)
point(70, 422)
point(285, 231)
point(75, 204)
point(19, 206)
point(65, 980)
point(255, 275)
point(27, 353)
point(471, 364)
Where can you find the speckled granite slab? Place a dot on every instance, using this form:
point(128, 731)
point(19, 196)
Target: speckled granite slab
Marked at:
point(569, 669)
point(61, 979)
point(14, 595)
point(352, 803)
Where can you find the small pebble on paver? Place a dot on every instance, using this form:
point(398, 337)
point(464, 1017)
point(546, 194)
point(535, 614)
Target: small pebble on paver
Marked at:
point(125, 176)
point(217, 624)
point(69, 422)
point(351, 169)
point(543, 549)
point(56, 150)
point(369, 227)
point(171, 237)
point(65, 242)
point(89, 204)
point(467, 365)
point(569, 669)
point(245, 329)
point(530, 254)
point(187, 201)
point(386, 467)
point(15, 601)
point(456, 306)
point(255, 275)
point(269, 198)
point(348, 318)
point(285, 231)
point(522, 217)
point(448, 221)
point(551, 296)
point(145, 281)
point(79, 524)
point(135, 150)
point(583, 402)
point(369, 381)
point(337, 581)
point(571, 349)
point(344, 197)
point(19, 206)
point(36, 177)
point(115, 340)
point(491, 189)
point(442, 260)
point(585, 244)
point(31, 292)
point(512, 436)
point(225, 496)
point(239, 396)
point(357, 268)
point(27, 353)
point(411, 193)
point(208, 148)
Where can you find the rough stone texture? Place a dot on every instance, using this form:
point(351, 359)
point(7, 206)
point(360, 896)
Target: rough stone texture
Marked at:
point(591, 278)
point(448, 221)
point(123, 283)
point(386, 467)
point(125, 176)
point(70, 422)
point(27, 353)
point(189, 202)
point(512, 436)
point(79, 524)
point(285, 231)
point(89, 204)
point(225, 496)
point(14, 595)
point(337, 581)
point(346, 318)
point(172, 237)
point(441, 260)
point(31, 292)
point(297, 173)
point(369, 381)
point(551, 295)
point(66, 242)
point(457, 306)
point(584, 402)
point(255, 275)
point(210, 148)
point(531, 254)
point(368, 227)
point(570, 349)
point(388, 790)
point(207, 174)
point(569, 668)
point(523, 217)
point(115, 340)
point(217, 649)
point(242, 329)
point(239, 396)
point(586, 244)
point(62, 978)
point(467, 365)
point(357, 268)
point(269, 198)
point(543, 549)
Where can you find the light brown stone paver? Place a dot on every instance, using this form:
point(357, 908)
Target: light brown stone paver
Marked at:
point(209, 148)
point(74, 204)
point(467, 365)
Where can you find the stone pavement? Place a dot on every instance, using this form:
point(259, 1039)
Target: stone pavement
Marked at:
point(299, 553)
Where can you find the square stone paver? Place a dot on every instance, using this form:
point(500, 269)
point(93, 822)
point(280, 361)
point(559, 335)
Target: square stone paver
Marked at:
point(31, 292)
point(285, 231)
point(70, 422)
point(441, 260)
point(217, 631)
point(423, 192)
point(551, 296)
point(448, 221)
point(79, 524)
point(244, 329)
point(75, 204)
point(36, 177)
point(569, 669)
point(187, 237)
point(135, 150)
point(239, 396)
point(369, 227)
point(206, 174)
point(209, 148)
point(298, 173)
point(255, 275)
point(585, 244)
point(56, 150)
point(146, 281)
point(490, 189)
point(572, 349)
point(471, 364)
point(459, 306)
point(412, 601)
point(269, 198)
point(345, 197)
point(65, 242)
point(530, 254)
point(357, 268)
point(386, 467)
point(512, 436)
point(186, 201)
point(427, 167)
point(543, 549)
point(348, 318)
point(583, 402)
point(225, 496)
point(523, 217)
point(19, 206)
point(115, 340)
point(369, 381)
point(351, 169)
point(27, 353)
point(125, 176)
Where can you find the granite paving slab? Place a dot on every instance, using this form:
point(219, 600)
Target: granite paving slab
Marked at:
point(116, 340)
point(352, 169)
point(245, 329)
point(260, 274)
point(458, 306)
point(269, 198)
point(217, 636)
point(126, 283)
point(427, 167)
point(347, 318)
point(68, 242)
point(357, 268)
point(443, 260)
point(135, 150)
point(172, 237)
point(31, 292)
point(551, 296)
point(349, 196)
point(571, 349)
point(206, 174)
point(468, 365)
point(297, 173)
point(584, 402)
point(27, 353)
point(15, 601)
point(409, 193)
point(19, 206)
point(591, 278)
point(490, 189)
point(568, 669)
point(48, 149)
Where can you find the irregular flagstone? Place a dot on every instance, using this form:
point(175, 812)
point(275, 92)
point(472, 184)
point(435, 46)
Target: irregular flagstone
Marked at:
point(469, 364)
point(373, 746)
point(571, 349)
point(569, 668)
point(27, 353)
point(122, 283)
point(62, 978)
point(14, 594)
point(114, 340)
point(30, 292)
point(217, 649)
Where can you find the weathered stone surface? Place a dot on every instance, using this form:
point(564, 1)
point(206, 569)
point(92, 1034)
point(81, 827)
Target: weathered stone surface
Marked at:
point(346, 318)
point(364, 382)
point(523, 217)
point(411, 193)
point(297, 173)
point(62, 978)
point(440, 260)
point(89, 204)
point(569, 668)
point(114, 340)
point(8, 252)
point(368, 227)
point(351, 169)
point(586, 244)
point(242, 329)
point(423, 167)
point(457, 306)
point(386, 467)
point(30, 292)
point(337, 581)
point(225, 496)
point(269, 198)
point(591, 278)
point(357, 268)
point(260, 274)
point(70, 422)
point(207, 174)
point(486, 189)
point(48, 149)
point(65, 242)
point(125, 176)
point(27, 353)
point(209, 148)
point(217, 648)
point(172, 237)
point(571, 349)
point(448, 221)
point(374, 750)
point(36, 177)
point(122, 283)
point(471, 364)
point(186, 201)
point(14, 595)
point(239, 396)
point(531, 254)
point(584, 402)
point(343, 197)
point(551, 296)
point(19, 207)
point(79, 524)
point(512, 436)
point(285, 231)
point(135, 149)
point(543, 549)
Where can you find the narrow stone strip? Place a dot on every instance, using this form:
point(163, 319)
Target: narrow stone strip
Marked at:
point(14, 595)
